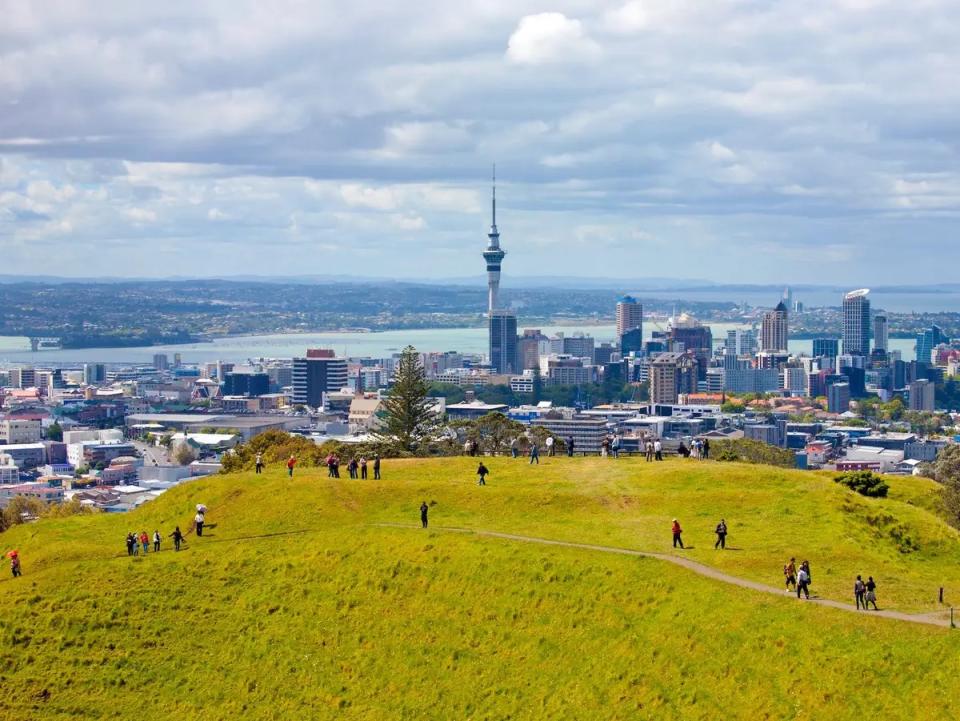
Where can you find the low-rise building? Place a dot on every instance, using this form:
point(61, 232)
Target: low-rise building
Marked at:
point(474, 410)
point(18, 431)
point(587, 433)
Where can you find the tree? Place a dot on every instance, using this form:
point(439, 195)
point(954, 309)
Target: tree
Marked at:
point(495, 431)
point(946, 471)
point(55, 432)
point(407, 415)
point(537, 385)
point(184, 455)
point(864, 482)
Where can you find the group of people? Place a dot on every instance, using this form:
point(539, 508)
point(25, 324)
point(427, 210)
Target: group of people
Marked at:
point(610, 446)
point(699, 449)
point(534, 451)
point(799, 578)
point(865, 592)
point(136, 541)
point(720, 530)
point(653, 449)
point(356, 467)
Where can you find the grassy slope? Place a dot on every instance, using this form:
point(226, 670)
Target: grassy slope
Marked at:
point(357, 621)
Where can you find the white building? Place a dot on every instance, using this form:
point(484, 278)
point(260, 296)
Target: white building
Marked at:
point(14, 431)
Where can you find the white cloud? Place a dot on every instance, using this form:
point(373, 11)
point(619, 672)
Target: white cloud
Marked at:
point(141, 215)
point(549, 37)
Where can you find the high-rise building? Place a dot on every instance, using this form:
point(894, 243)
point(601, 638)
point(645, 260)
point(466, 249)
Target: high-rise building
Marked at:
point(881, 333)
point(773, 331)
point(741, 341)
point(160, 361)
point(671, 374)
point(687, 334)
point(826, 347)
point(856, 323)
point(493, 255)
point(922, 395)
point(838, 397)
point(530, 346)
point(320, 372)
point(94, 373)
point(502, 325)
point(246, 384)
point(927, 341)
point(629, 325)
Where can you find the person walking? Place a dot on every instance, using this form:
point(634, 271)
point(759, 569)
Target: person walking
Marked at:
point(329, 462)
point(648, 447)
point(706, 448)
point(513, 448)
point(871, 595)
point(131, 542)
point(550, 447)
point(604, 446)
point(156, 541)
point(482, 472)
point(721, 532)
point(259, 463)
point(534, 454)
point(676, 530)
point(363, 468)
point(136, 546)
point(352, 467)
point(790, 574)
point(424, 508)
point(658, 449)
point(615, 445)
point(569, 446)
point(291, 462)
point(145, 542)
point(336, 466)
point(859, 593)
point(15, 568)
point(198, 523)
point(803, 581)
point(376, 467)
point(177, 537)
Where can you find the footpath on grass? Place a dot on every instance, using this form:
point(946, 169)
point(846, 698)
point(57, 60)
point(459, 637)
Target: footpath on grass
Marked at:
point(931, 619)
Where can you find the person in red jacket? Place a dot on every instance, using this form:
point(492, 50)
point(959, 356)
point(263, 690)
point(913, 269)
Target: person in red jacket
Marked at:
point(290, 464)
point(677, 541)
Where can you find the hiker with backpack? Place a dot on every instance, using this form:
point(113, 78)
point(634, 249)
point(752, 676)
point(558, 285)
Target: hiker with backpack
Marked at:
point(859, 593)
point(790, 574)
point(721, 532)
point(676, 530)
point(482, 472)
point(804, 579)
point(156, 541)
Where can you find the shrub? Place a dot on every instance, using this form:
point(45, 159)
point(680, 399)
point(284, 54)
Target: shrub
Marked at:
point(745, 450)
point(865, 483)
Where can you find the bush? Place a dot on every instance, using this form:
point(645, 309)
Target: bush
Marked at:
point(865, 483)
point(745, 450)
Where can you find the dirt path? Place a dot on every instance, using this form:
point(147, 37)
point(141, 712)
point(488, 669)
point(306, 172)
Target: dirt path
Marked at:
point(932, 619)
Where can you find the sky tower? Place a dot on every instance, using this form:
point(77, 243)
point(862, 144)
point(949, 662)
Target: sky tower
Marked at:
point(493, 254)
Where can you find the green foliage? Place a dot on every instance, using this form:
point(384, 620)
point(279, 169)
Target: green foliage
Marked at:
point(453, 393)
point(865, 483)
point(407, 416)
point(946, 471)
point(732, 406)
point(948, 394)
point(55, 432)
point(184, 455)
point(276, 447)
point(745, 450)
point(20, 509)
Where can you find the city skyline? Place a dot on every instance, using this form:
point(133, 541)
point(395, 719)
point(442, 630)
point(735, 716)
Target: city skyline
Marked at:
point(628, 133)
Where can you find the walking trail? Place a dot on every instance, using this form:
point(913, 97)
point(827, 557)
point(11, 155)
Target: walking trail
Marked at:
point(931, 619)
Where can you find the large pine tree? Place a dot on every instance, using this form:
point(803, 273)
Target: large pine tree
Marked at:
point(406, 414)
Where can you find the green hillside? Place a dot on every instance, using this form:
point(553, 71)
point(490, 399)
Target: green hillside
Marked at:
point(300, 604)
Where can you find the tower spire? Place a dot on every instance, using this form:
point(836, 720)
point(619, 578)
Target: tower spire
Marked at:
point(493, 225)
point(493, 255)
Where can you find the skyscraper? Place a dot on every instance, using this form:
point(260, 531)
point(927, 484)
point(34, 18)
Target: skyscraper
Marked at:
point(319, 373)
point(927, 341)
point(493, 255)
point(826, 347)
point(856, 323)
point(773, 331)
point(629, 325)
point(880, 333)
point(503, 341)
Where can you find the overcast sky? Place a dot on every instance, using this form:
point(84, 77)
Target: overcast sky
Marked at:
point(733, 141)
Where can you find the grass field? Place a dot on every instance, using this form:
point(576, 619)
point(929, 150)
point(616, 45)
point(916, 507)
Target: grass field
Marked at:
point(335, 617)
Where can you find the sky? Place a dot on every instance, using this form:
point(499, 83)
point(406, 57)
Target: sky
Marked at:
point(732, 141)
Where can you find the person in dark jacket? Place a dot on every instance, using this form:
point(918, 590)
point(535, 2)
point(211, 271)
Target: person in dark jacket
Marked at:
point(376, 467)
point(721, 532)
point(871, 595)
point(482, 472)
point(570, 446)
point(131, 543)
point(677, 531)
point(424, 508)
point(177, 537)
point(706, 447)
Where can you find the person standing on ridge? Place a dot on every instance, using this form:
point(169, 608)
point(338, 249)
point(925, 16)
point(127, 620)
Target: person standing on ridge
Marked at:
point(424, 508)
point(177, 537)
point(648, 448)
point(615, 445)
point(130, 544)
point(259, 463)
point(482, 472)
point(534, 454)
point(658, 449)
point(156, 541)
point(569, 446)
point(790, 574)
point(871, 595)
point(721, 535)
point(513, 448)
point(859, 593)
point(145, 542)
point(198, 523)
point(376, 467)
point(550, 449)
point(804, 580)
point(15, 568)
point(291, 462)
point(706, 448)
point(352, 467)
point(363, 468)
point(676, 530)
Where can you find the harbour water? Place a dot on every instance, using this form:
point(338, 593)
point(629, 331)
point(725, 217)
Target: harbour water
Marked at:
point(237, 349)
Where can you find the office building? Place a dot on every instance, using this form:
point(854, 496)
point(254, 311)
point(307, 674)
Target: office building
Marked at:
point(928, 341)
point(629, 325)
point(671, 374)
point(773, 331)
point(741, 342)
point(160, 361)
point(503, 341)
point(320, 372)
point(838, 397)
point(826, 347)
point(587, 432)
point(795, 381)
point(94, 373)
point(530, 346)
point(856, 323)
point(881, 333)
point(922, 395)
point(22, 378)
point(246, 384)
point(15, 431)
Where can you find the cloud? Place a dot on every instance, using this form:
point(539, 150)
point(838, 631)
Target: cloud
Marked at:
point(549, 38)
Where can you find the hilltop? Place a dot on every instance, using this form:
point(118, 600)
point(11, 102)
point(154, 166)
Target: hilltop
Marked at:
point(302, 602)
